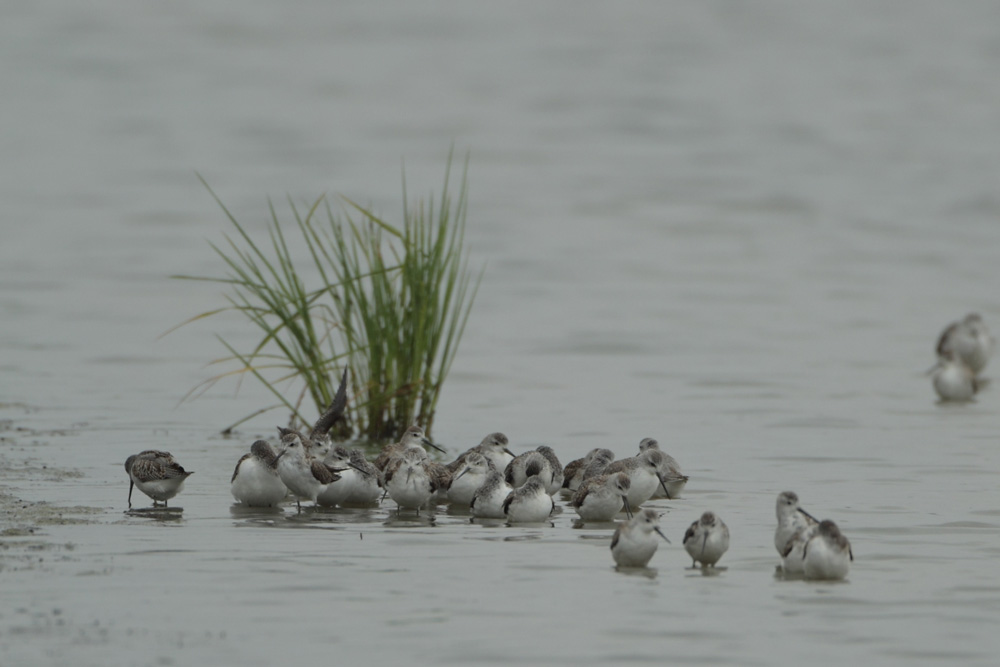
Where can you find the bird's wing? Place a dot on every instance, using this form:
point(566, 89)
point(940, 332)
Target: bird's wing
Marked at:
point(944, 337)
point(581, 493)
point(148, 470)
point(614, 538)
point(333, 413)
point(323, 473)
point(689, 533)
point(238, 464)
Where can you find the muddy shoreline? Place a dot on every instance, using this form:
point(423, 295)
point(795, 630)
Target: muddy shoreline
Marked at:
point(24, 543)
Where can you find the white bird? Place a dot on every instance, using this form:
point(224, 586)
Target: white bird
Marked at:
point(576, 471)
point(318, 449)
point(525, 465)
point(337, 492)
point(970, 340)
point(366, 489)
point(791, 518)
point(706, 540)
point(602, 498)
point(827, 554)
point(255, 481)
point(952, 379)
point(633, 543)
point(793, 556)
point(317, 444)
point(409, 481)
point(557, 470)
point(156, 474)
point(468, 479)
point(530, 503)
point(493, 447)
point(488, 500)
point(412, 438)
point(670, 470)
point(304, 476)
point(644, 473)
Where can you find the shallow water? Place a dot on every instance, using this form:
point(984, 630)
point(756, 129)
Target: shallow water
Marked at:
point(737, 229)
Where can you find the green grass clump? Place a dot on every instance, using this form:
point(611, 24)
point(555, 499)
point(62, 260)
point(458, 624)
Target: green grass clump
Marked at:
point(391, 302)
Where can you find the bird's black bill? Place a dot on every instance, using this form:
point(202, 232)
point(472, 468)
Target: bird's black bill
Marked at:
point(663, 483)
point(360, 470)
point(431, 444)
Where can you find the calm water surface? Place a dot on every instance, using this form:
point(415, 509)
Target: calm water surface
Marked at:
point(735, 228)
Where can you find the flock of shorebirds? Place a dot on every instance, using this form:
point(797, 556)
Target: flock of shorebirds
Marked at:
point(493, 483)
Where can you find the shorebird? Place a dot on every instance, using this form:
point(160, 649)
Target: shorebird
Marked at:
point(706, 540)
point(412, 438)
point(493, 447)
point(365, 491)
point(156, 474)
point(304, 476)
point(525, 465)
point(674, 479)
point(793, 556)
point(633, 544)
point(255, 481)
point(793, 522)
point(574, 472)
point(827, 553)
point(488, 500)
point(952, 379)
point(557, 470)
point(529, 503)
point(970, 340)
point(337, 492)
point(644, 472)
point(317, 443)
point(409, 480)
point(601, 498)
point(469, 478)
point(791, 517)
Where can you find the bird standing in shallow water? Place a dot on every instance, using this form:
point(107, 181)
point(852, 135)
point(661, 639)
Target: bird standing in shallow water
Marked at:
point(706, 540)
point(337, 492)
point(255, 481)
point(970, 341)
point(530, 503)
point(493, 447)
point(468, 479)
point(318, 444)
point(952, 379)
point(409, 480)
point(557, 470)
point(826, 554)
point(602, 498)
point(304, 476)
point(644, 473)
point(156, 474)
point(412, 438)
point(791, 519)
point(633, 544)
point(366, 489)
point(674, 480)
point(488, 500)
point(525, 465)
point(578, 470)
